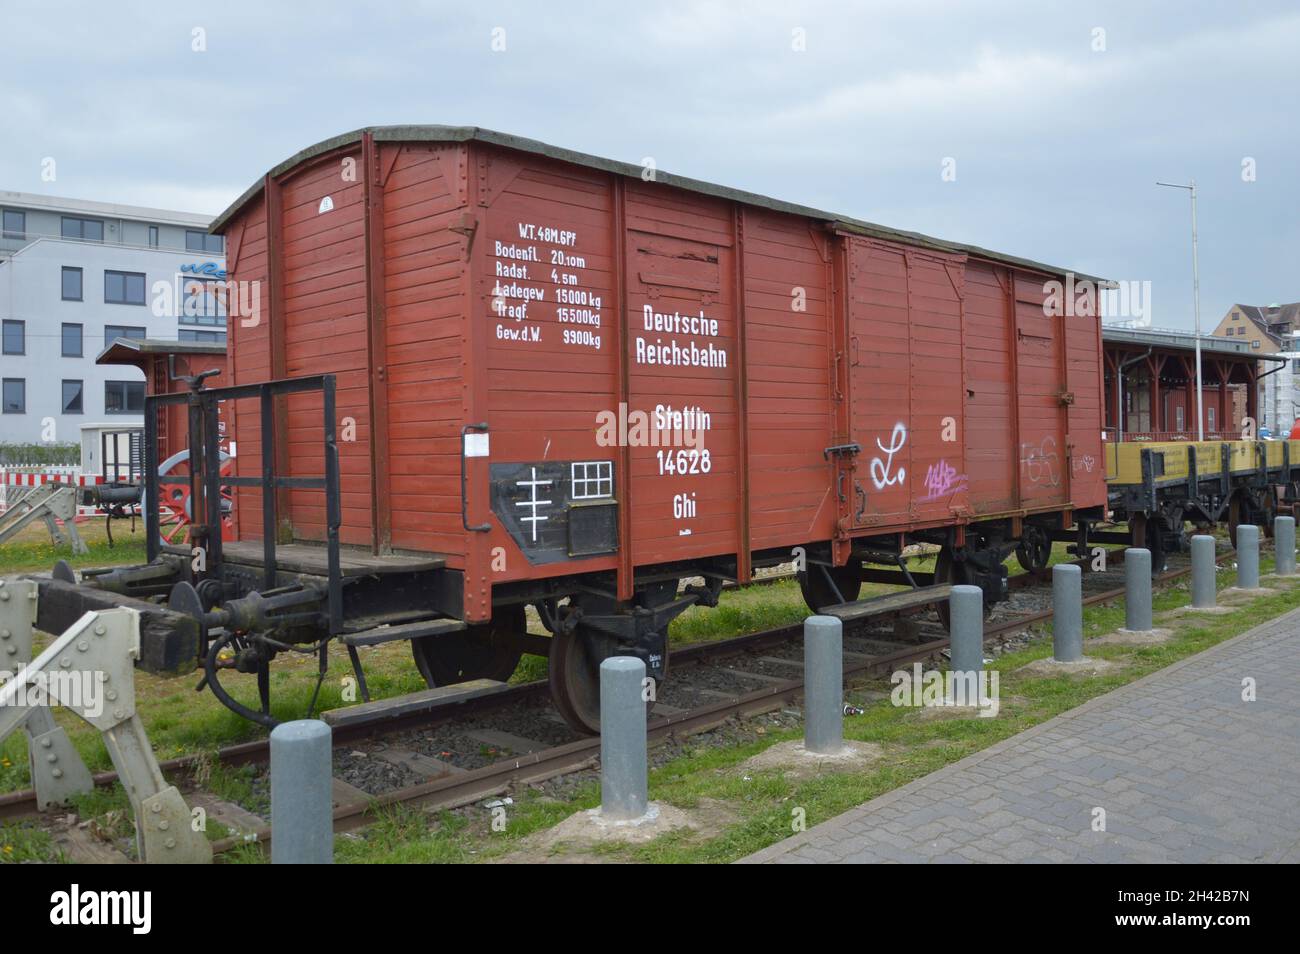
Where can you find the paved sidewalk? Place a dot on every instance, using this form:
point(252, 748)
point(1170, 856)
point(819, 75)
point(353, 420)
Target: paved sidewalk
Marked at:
point(1185, 770)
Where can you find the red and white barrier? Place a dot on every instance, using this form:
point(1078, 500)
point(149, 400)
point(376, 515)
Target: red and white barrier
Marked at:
point(33, 477)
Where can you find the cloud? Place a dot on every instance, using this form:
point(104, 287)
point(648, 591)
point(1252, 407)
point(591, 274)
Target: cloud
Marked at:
point(1057, 146)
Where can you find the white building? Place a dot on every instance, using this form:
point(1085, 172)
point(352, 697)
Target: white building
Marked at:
point(1277, 404)
point(76, 275)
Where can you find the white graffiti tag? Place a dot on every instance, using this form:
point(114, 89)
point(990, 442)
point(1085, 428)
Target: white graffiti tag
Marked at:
point(880, 468)
point(1041, 463)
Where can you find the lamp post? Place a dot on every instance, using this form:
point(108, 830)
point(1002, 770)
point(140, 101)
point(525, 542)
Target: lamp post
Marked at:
point(1196, 306)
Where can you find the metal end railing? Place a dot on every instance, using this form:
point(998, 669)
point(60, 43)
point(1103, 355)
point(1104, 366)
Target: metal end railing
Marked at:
point(205, 479)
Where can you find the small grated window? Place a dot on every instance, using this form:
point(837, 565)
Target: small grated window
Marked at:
point(592, 479)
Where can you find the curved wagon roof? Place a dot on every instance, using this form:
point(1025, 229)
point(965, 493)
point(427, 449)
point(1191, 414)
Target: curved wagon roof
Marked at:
point(462, 134)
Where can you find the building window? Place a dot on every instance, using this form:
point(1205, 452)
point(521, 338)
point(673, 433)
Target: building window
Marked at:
point(15, 395)
point(213, 337)
point(204, 242)
point(153, 236)
point(123, 397)
point(71, 283)
point(1178, 418)
point(113, 332)
point(15, 224)
point(124, 288)
point(88, 230)
point(72, 397)
point(15, 337)
point(200, 303)
point(72, 347)
point(1254, 344)
point(1209, 418)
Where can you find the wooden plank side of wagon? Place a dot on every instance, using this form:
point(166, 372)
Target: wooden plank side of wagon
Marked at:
point(789, 355)
point(547, 318)
point(991, 458)
point(423, 353)
point(1040, 388)
point(325, 331)
point(249, 345)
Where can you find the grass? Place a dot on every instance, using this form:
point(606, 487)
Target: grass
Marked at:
point(740, 611)
point(23, 841)
point(32, 548)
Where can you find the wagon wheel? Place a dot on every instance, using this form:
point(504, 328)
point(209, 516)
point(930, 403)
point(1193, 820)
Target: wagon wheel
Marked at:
point(483, 651)
point(574, 675)
point(955, 572)
point(817, 591)
point(1268, 513)
point(174, 516)
point(1034, 551)
point(1235, 509)
point(1144, 532)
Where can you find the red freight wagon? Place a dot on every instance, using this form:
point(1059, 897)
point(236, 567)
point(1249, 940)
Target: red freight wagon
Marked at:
point(564, 381)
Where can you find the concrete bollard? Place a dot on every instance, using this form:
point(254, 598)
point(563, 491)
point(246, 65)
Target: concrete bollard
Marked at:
point(1284, 545)
point(1067, 613)
point(966, 630)
point(823, 667)
point(1248, 557)
point(1203, 592)
point(1137, 590)
point(302, 793)
point(623, 773)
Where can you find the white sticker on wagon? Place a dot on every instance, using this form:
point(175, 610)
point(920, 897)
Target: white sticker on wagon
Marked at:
point(476, 445)
point(326, 205)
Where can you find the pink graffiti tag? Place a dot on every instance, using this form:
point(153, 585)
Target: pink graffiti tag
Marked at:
point(942, 480)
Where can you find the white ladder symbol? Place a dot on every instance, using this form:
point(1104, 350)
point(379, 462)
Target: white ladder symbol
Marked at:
point(533, 503)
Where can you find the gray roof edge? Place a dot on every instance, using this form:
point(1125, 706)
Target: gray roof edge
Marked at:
point(437, 133)
point(162, 346)
point(1181, 341)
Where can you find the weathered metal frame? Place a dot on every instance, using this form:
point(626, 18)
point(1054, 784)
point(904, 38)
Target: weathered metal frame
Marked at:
point(203, 415)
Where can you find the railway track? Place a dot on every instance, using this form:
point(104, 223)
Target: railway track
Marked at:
point(455, 788)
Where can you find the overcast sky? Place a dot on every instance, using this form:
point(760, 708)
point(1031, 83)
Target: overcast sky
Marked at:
point(1057, 144)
